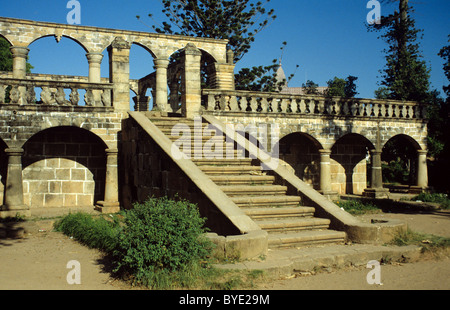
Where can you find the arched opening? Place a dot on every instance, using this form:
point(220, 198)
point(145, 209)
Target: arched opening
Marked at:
point(301, 152)
point(59, 61)
point(64, 167)
point(399, 161)
point(142, 72)
point(349, 164)
point(3, 169)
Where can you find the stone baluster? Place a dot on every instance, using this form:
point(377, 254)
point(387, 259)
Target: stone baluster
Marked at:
point(254, 103)
point(2, 93)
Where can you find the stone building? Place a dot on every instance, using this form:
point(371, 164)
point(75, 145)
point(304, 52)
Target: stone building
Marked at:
point(72, 142)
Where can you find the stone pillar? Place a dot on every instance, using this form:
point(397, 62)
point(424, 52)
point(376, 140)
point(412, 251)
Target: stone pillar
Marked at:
point(19, 55)
point(325, 175)
point(111, 202)
point(119, 72)
point(95, 60)
point(191, 80)
point(13, 197)
point(161, 99)
point(422, 169)
point(376, 189)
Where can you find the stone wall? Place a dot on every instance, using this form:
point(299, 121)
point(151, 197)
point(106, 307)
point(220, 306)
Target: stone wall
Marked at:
point(63, 167)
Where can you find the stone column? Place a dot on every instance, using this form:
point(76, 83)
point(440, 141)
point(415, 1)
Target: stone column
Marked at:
point(111, 202)
point(191, 96)
point(95, 60)
point(19, 55)
point(13, 198)
point(161, 99)
point(325, 174)
point(376, 189)
point(422, 169)
point(119, 72)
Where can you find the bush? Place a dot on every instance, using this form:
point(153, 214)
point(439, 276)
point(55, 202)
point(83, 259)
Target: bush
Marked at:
point(160, 237)
point(441, 199)
point(94, 232)
point(356, 207)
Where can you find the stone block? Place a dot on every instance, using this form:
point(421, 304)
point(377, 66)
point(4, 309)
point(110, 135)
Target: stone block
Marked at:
point(53, 200)
point(72, 187)
point(78, 174)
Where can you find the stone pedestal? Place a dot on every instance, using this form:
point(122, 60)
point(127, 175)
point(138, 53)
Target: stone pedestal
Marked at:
point(325, 175)
point(13, 197)
point(376, 189)
point(111, 202)
point(422, 169)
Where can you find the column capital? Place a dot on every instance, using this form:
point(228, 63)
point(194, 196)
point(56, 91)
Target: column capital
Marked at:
point(14, 151)
point(422, 152)
point(120, 44)
point(161, 63)
point(94, 57)
point(112, 151)
point(19, 51)
point(191, 49)
point(324, 152)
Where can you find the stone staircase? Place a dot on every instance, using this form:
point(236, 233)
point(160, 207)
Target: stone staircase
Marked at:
point(288, 224)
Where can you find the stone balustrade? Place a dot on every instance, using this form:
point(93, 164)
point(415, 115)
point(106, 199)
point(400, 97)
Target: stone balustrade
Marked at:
point(260, 102)
point(15, 91)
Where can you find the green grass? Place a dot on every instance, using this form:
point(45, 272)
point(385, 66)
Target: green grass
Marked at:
point(428, 242)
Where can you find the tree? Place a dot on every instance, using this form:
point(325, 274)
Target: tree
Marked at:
point(406, 76)
point(310, 87)
point(238, 21)
point(339, 87)
point(6, 60)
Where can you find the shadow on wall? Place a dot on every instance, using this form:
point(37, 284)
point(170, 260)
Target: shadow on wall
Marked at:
point(64, 167)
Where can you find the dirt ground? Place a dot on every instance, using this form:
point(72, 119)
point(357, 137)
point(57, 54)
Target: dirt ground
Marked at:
point(39, 262)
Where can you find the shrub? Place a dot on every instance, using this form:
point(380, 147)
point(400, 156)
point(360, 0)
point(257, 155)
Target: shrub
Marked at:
point(94, 232)
point(161, 237)
point(356, 207)
point(441, 199)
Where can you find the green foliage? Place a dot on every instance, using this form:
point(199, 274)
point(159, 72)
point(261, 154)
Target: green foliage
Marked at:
point(5, 56)
point(345, 88)
point(94, 232)
point(356, 207)
point(406, 76)
point(439, 198)
point(161, 236)
point(310, 87)
point(238, 21)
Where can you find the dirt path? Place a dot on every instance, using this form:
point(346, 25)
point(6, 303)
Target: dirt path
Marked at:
point(39, 261)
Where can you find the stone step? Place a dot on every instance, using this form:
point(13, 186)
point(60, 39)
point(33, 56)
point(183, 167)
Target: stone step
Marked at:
point(305, 238)
point(279, 213)
point(292, 225)
point(240, 190)
point(197, 138)
point(243, 179)
point(236, 162)
point(230, 170)
point(267, 201)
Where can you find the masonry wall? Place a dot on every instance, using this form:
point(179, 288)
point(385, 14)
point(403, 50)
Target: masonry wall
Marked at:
point(63, 167)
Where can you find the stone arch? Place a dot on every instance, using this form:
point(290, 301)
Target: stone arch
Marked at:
point(349, 158)
point(6, 38)
point(58, 39)
point(301, 151)
point(63, 166)
point(399, 156)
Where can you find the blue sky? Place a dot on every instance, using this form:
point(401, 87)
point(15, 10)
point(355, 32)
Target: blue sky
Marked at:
point(325, 38)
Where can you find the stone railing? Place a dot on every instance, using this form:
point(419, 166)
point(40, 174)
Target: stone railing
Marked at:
point(258, 102)
point(23, 92)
